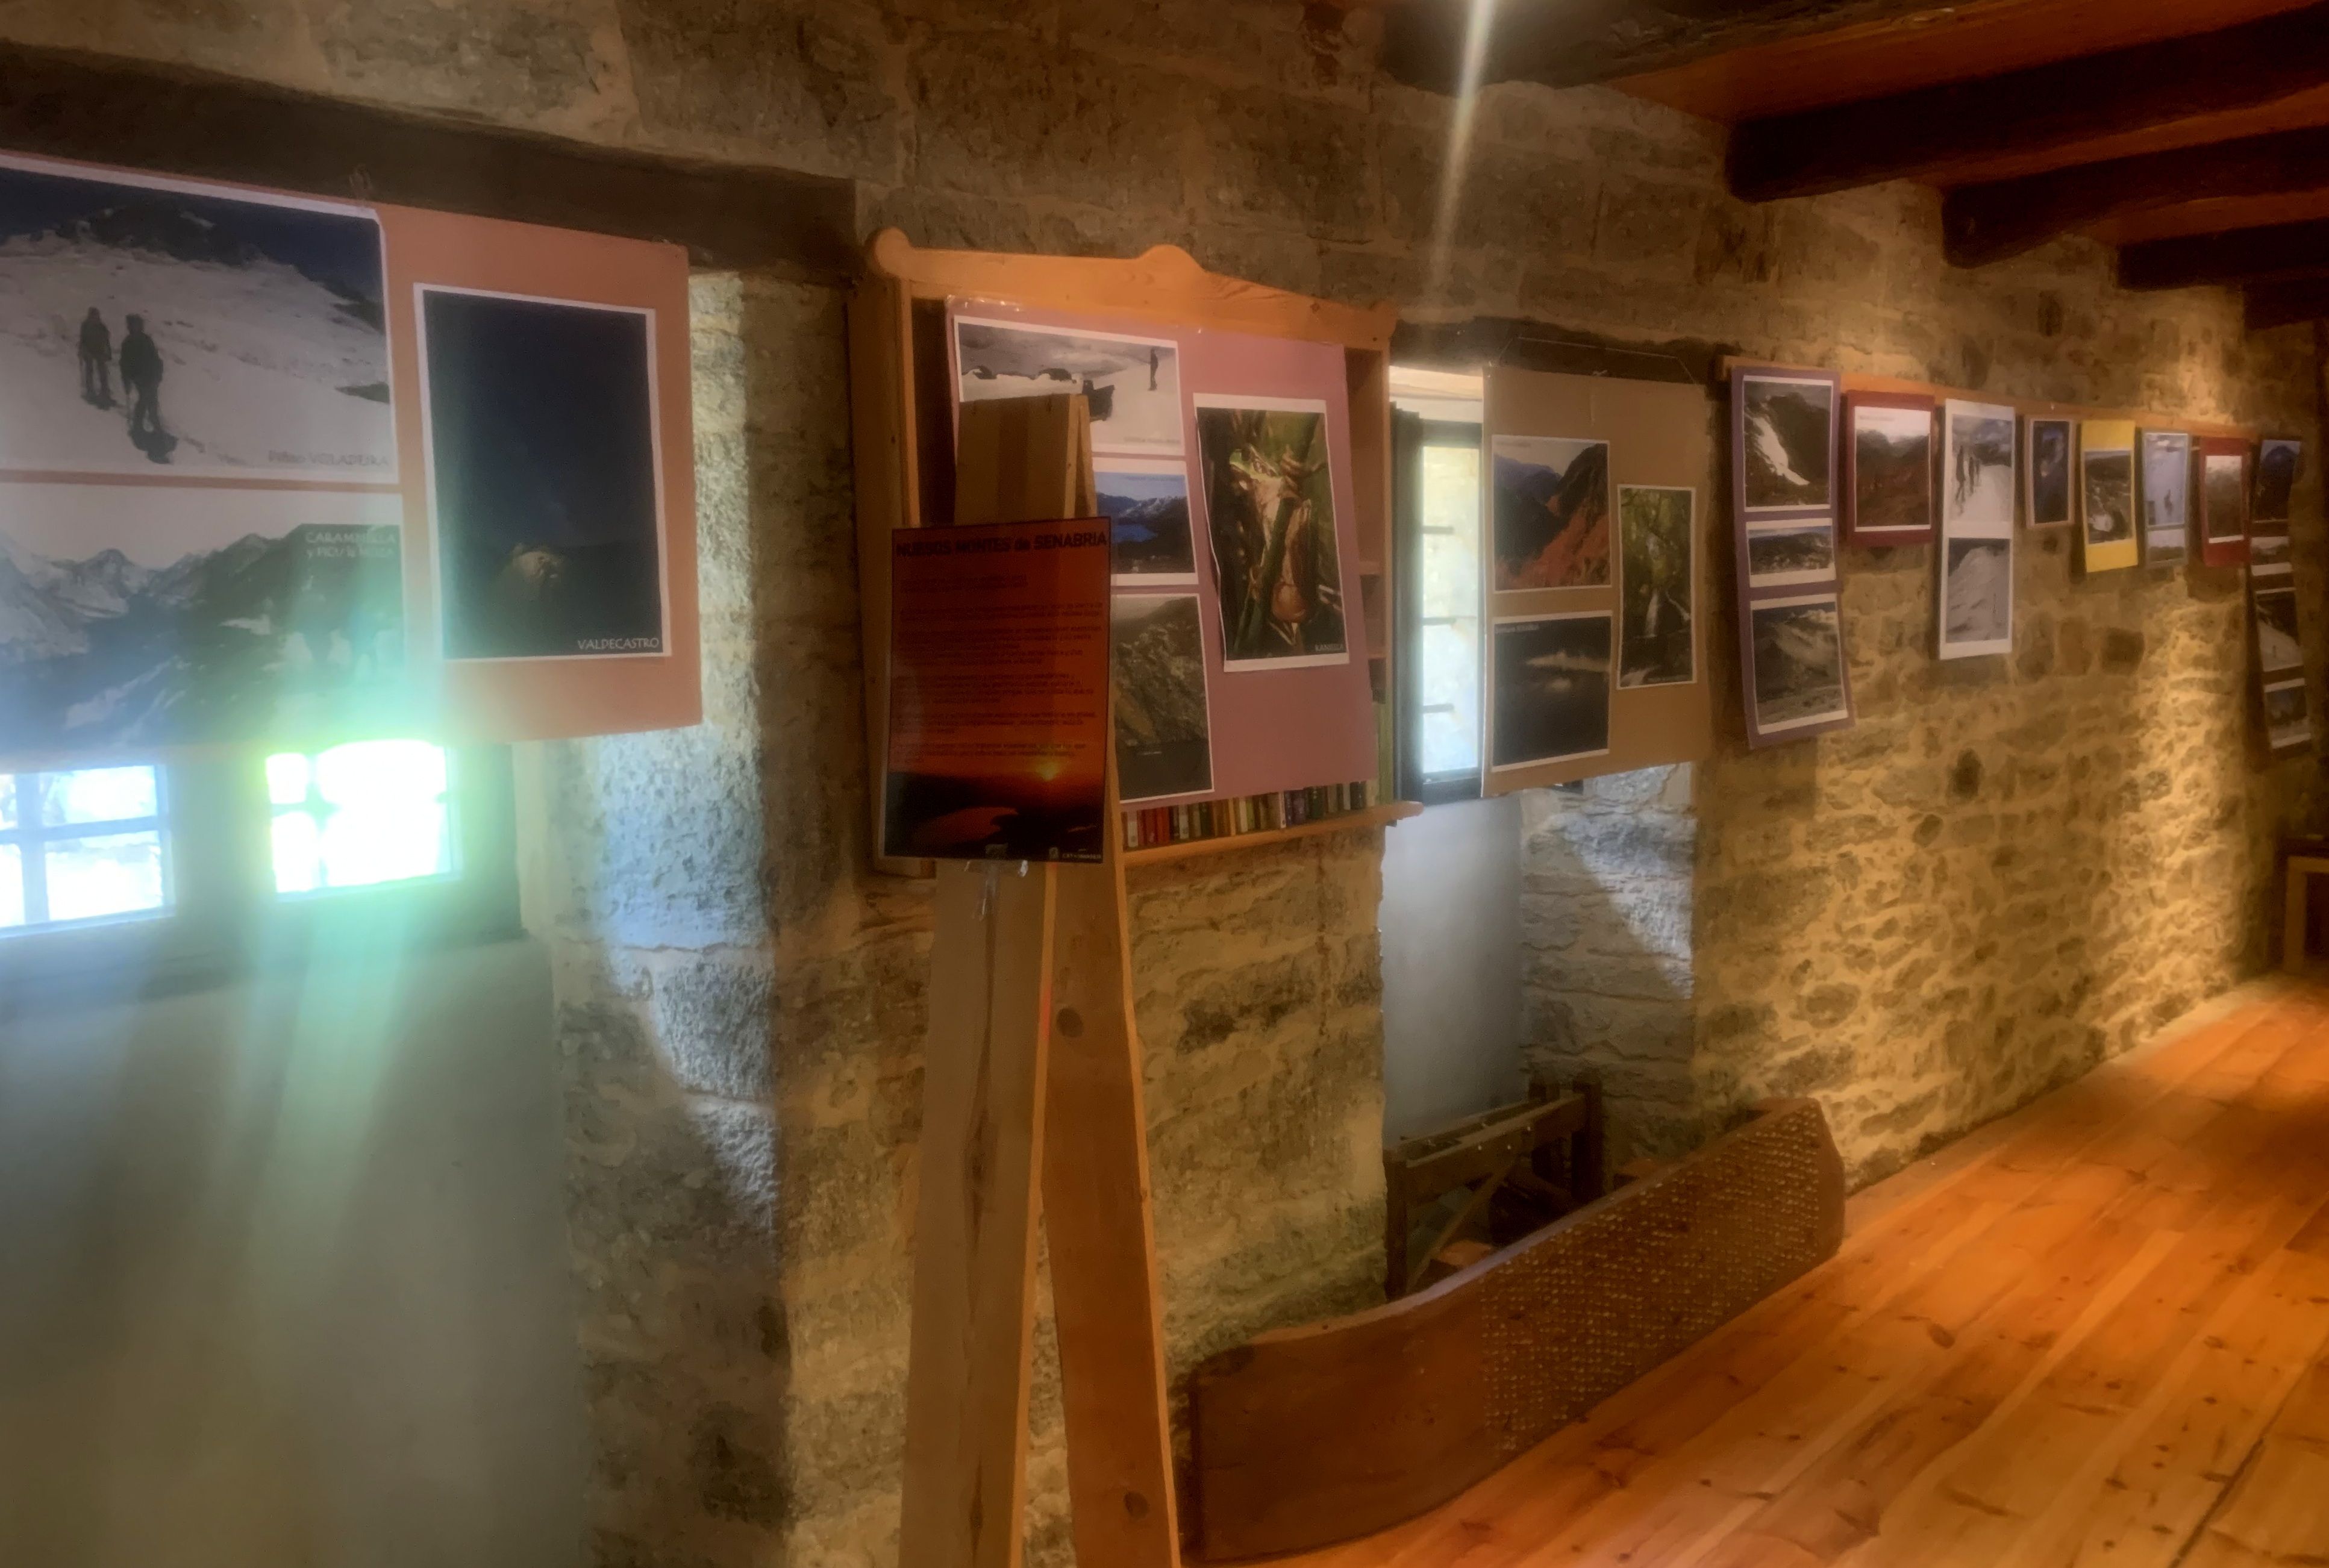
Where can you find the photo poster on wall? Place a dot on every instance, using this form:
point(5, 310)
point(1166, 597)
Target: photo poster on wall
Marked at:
point(1596, 551)
point(2163, 476)
point(999, 669)
point(217, 462)
point(2225, 492)
point(1888, 469)
point(2106, 513)
point(1795, 680)
point(2049, 451)
point(1974, 575)
point(1222, 463)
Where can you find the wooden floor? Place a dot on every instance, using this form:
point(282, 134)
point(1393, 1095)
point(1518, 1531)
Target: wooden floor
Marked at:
point(2094, 1334)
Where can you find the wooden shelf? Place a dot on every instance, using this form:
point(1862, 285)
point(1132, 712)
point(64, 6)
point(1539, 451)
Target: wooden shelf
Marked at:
point(1372, 817)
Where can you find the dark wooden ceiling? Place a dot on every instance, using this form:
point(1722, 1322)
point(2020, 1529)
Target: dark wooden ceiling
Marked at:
point(2193, 135)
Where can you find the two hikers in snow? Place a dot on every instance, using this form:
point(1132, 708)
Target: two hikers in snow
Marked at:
point(141, 379)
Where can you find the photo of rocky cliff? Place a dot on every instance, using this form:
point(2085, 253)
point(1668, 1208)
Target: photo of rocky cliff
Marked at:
point(1163, 732)
point(1552, 513)
point(1892, 469)
point(1798, 663)
point(542, 480)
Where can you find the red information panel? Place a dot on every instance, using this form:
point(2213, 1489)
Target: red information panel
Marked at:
point(998, 692)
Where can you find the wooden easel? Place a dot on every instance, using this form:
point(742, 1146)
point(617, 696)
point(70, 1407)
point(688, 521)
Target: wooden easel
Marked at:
point(1033, 1072)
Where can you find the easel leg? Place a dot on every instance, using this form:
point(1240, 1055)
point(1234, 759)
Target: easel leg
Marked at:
point(1096, 1198)
point(982, 1085)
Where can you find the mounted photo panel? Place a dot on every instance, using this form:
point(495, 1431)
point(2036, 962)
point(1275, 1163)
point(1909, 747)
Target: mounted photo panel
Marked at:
point(1794, 679)
point(1888, 469)
point(264, 512)
point(1596, 601)
point(2225, 492)
point(2277, 465)
point(2107, 515)
point(1974, 576)
point(2162, 473)
point(2050, 450)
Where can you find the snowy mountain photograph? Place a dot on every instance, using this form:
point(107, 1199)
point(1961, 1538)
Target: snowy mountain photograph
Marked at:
point(1790, 442)
point(2165, 470)
point(1133, 384)
point(1977, 464)
point(1147, 506)
point(156, 326)
point(1977, 597)
point(136, 617)
point(542, 476)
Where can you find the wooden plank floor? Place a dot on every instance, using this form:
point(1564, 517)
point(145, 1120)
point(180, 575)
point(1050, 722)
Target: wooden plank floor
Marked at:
point(2095, 1335)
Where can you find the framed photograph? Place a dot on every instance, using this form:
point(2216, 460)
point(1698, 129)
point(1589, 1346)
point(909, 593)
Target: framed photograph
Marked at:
point(1976, 589)
point(212, 332)
point(2277, 462)
point(544, 475)
point(1133, 384)
point(1658, 639)
point(2163, 496)
point(1796, 682)
point(1552, 700)
point(2277, 647)
point(1784, 424)
point(1164, 720)
point(2048, 466)
point(1888, 469)
point(1270, 517)
point(1146, 503)
point(2287, 717)
point(2223, 494)
point(1789, 554)
point(1552, 513)
point(1977, 455)
point(2268, 558)
point(2107, 531)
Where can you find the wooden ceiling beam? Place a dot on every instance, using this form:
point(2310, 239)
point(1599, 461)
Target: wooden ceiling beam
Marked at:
point(1576, 43)
point(2235, 256)
point(2271, 305)
point(1916, 135)
point(1989, 222)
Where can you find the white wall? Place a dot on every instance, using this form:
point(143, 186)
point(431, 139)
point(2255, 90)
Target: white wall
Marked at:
point(283, 1277)
point(1451, 958)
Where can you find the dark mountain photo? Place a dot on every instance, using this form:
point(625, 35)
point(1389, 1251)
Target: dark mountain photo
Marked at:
point(1789, 440)
point(2049, 472)
point(1552, 689)
point(1552, 513)
point(1163, 731)
point(2276, 477)
point(1892, 469)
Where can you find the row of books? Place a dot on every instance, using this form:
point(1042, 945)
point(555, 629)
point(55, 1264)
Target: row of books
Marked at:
point(1158, 825)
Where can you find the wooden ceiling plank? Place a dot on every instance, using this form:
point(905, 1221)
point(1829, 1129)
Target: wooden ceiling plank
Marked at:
point(1989, 222)
point(1917, 134)
point(2271, 305)
point(2239, 256)
point(1578, 43)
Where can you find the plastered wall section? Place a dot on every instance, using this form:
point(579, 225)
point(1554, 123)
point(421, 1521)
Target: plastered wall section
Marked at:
point(740, 1003)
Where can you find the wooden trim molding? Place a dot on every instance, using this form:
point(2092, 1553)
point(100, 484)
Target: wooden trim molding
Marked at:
point(201, 124)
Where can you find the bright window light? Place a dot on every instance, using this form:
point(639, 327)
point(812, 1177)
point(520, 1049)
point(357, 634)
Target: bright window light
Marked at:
point(360, 815)
point(81, 845)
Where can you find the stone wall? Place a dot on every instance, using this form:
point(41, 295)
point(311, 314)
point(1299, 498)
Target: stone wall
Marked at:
point(740, 1000)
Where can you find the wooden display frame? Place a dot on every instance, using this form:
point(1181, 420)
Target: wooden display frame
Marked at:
point(903, 426)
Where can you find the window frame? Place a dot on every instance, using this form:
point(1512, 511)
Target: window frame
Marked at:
point(1411, 435)
point(225, 920)
point(31, 838)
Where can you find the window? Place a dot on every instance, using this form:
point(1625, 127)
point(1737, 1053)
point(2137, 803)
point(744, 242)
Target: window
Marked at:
point(81, 845)
point(148, 872)
point(1437, 436)
point(360, 815)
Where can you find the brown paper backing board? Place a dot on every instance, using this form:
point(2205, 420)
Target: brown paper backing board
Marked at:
point(1848, 457)
point(547, 699)
point(1659, 434)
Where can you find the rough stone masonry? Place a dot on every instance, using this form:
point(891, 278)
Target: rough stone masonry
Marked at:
point(2008, 871)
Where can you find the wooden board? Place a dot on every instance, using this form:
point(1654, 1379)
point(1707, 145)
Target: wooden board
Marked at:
point(982, 1078)
point(1316, 1434)
point(1659, 435)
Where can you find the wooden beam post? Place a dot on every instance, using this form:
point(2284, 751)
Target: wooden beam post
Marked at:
point(983, 1074)
point(2276, 251)
point(1989, 222)
point(1928, 132)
